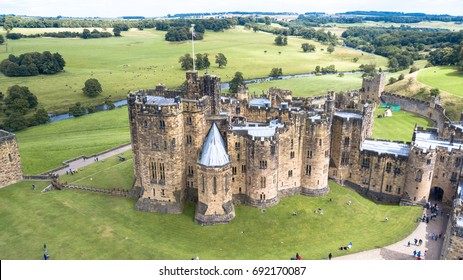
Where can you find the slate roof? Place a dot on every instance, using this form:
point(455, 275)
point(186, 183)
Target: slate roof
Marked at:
point(213, 153)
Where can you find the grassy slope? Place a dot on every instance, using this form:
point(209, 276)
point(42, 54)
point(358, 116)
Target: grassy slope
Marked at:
point(44, 147)
point(105, 174)
point(447, 79)
point(142, 59)
point(81, 225)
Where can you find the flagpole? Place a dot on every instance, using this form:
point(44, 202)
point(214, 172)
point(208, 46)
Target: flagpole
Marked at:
point(193, 44)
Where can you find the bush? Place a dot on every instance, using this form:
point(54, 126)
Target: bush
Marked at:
point(92, 88)
point(413, 69)
point(77, 110)
point(275, 72)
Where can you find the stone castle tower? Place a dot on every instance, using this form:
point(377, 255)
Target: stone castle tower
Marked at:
point(372, 87)
point(10, 161)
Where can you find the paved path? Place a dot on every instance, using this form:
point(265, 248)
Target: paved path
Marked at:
point(78, 164)
point(400, 250)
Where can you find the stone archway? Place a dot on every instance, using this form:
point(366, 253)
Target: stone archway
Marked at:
point(436, 194)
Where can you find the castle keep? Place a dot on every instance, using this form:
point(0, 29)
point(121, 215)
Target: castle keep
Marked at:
point(197, 145)
point(10, 161)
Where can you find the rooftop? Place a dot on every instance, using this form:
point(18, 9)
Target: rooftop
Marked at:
point(159, 100)
point(384, 147)
point(348, 115)
point(260, 102)
point(426, 140)
point(259, 130)
point(213, 153)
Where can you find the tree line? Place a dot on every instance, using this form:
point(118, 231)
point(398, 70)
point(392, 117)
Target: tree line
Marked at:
point(404, 45)
point(32, 64)
point(85, 34)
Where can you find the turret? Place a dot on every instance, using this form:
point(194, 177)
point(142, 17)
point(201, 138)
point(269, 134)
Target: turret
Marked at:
point(316, 157)
point(215, 204)
point(262, 172)
point(419, 177)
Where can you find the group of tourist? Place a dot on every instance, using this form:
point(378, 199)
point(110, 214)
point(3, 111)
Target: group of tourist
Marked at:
point(72, 171)
point(298, 257)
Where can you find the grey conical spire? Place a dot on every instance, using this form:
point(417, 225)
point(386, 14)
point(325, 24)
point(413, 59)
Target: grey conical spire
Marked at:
point(213, 153)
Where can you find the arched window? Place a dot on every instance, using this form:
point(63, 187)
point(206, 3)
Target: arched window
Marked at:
point(419, 175)
point(10, 158)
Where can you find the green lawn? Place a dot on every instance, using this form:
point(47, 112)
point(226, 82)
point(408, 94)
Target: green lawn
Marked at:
point(445, 78)
point(84, 225)
point(311, 86)
point(110, 173)
point(142, 59)
point(398, 127)
point(45, 147)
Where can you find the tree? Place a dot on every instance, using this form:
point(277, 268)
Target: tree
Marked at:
point(281, 40)
point(306, 47)
point(20, 99)
point(92, 88)
point(434, 92)
point(317, 69)
point(369, 70)
point(276, 72)
point(86, 34)
point(255, 28)
point(221, 60)
point(186, 62)
point(2, 40)
point(237, 81)
point(117, 31)
point(15, 122)
point(330, 49)
point(40, 117)
point(77, 110)
point(202, 61)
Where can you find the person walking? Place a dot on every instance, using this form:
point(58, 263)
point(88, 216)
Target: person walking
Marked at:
point(330, 256)
point(414, 253)
point(408, 244)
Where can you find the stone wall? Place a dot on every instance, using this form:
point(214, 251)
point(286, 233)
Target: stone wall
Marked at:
point(452, 248)
point(10, 160)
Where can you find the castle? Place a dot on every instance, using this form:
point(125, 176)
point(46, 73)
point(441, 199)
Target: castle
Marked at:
point(10, 161)
point(200, 146)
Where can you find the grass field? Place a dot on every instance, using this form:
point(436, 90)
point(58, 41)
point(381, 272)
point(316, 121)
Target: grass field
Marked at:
point(142, 59)
point(44, 147)
point(83, 225)
point(311, 86)
point(398, 127)
point(445, 78)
